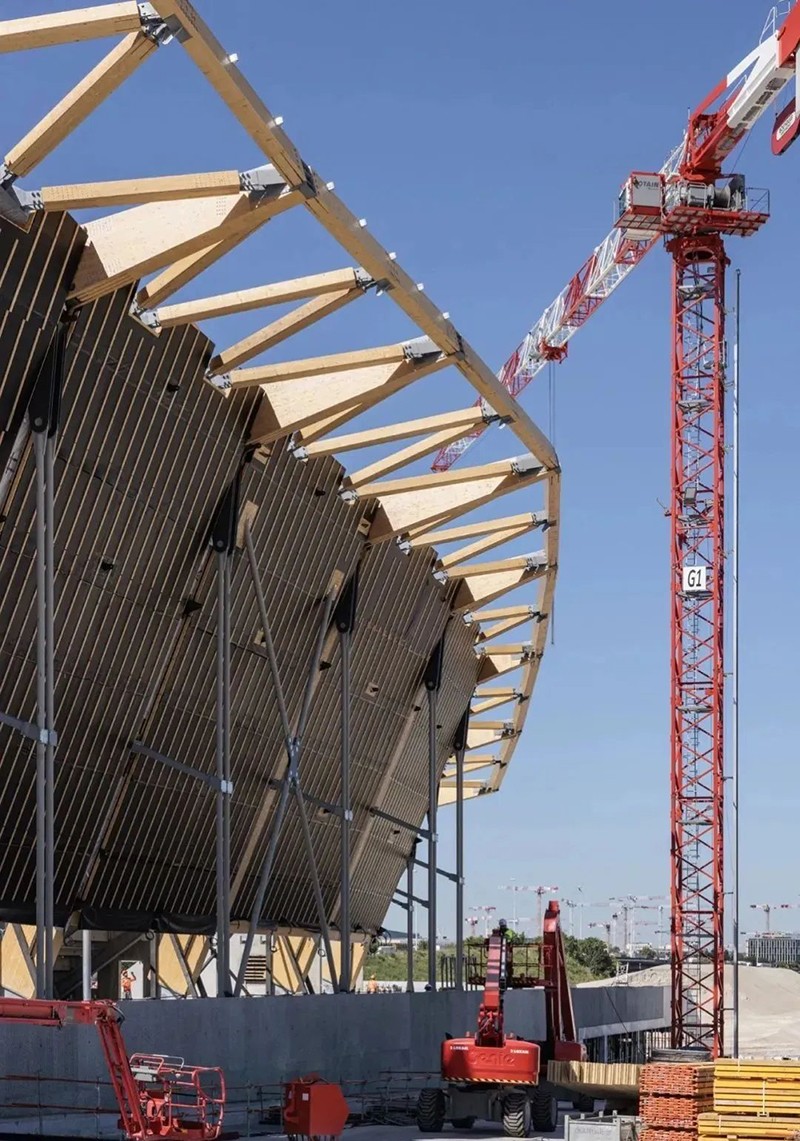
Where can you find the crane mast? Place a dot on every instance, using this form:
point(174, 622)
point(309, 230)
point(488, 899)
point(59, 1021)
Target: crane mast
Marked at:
point(693, 206)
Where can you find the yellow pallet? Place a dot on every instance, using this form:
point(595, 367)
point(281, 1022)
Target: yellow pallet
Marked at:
point(757, 1067)
point(746, 1128)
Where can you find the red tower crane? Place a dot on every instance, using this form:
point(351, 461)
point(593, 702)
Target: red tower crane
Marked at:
point(693, 205)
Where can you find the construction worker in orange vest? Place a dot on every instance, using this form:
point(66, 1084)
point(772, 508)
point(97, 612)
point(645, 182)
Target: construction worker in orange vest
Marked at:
point(127, 979)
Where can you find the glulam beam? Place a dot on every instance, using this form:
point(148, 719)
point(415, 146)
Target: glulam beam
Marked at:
point(261, 296)
point(323, 203)
point(478, 589)
point(418, 502)
point(122, 247)
point(481, 546)
point(484, 527)
point(317, 366)
point(69, 27)
point(502, 695)
point(472, 789)
point(364, 477)
point(286, 326)
point(514, 562)
point(495, 612)
point(429, 480)
point(79, 103)
point(188, 267)
point(507, 660)
point(137, 191)
point(479, 737)
point(473, 763)
point(370, 437)
point(315, 405)
point(512, 616)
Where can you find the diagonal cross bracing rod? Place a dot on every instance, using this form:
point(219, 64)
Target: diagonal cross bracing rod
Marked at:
point(290, 783)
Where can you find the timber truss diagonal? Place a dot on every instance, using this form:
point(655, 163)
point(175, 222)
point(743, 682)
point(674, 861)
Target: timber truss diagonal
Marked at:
point(157, 234)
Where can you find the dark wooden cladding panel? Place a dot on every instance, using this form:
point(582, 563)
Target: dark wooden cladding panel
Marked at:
point(145, 454)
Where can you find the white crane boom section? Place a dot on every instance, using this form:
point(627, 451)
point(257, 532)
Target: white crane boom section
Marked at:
point(729, 111)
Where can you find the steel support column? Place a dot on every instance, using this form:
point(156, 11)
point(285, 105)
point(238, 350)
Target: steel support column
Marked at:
point(345, 620)
point(459, 747)
point(43, 415)
point(223, 542)
point(698, 552)
point(42, 931)
point(410, 933)
point(433, 682)
point(86, 964)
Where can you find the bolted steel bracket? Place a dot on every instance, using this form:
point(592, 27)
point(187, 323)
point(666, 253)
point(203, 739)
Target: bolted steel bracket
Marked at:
point(535, 562)
point(262, 181)
point(526, 465)
point(420, 348)
point(160, 31)
point(17, 206)
point(220, 381)
point(146, 317)
point(365, 282)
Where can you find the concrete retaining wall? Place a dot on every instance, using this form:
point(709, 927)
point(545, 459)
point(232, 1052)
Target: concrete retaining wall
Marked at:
point(265, 1041)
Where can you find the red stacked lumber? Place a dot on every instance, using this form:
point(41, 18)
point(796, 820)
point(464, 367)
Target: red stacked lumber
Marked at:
point(672, 1096)
point(669, 1134)
point(681, 1079)
point(671, 1112)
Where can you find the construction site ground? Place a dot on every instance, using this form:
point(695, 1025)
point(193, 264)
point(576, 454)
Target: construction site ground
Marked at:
point(769, 1002)
point(411, 1133)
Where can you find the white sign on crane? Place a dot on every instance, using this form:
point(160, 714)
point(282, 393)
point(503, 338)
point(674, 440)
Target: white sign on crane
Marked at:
point(695, 579)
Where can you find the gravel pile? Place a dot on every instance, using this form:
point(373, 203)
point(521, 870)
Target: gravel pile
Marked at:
point(769, 1006)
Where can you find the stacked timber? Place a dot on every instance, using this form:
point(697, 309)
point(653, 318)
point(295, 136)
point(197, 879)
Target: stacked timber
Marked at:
point(596, 1079)
point(673, 1096)
point(754, 1098)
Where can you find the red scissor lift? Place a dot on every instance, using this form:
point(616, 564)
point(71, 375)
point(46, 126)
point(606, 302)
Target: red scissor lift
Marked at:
point(158, 1096)
point(498, 1076)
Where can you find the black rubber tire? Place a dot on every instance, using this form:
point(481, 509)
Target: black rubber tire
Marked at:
point(430, 1111)
point(544, 1109)
point(582, 1103)
point(690, 1054)
point(463, 1122)
point(517, 1116)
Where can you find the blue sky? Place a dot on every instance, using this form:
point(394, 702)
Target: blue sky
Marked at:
point(486, 144)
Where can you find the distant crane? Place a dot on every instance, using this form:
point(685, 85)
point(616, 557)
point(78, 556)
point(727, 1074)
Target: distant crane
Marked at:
point(607, 928)
point(768, 908)
point(540, 891)
point(488, 912)
point(571, 904)
point(629, 905)
point(473, 921)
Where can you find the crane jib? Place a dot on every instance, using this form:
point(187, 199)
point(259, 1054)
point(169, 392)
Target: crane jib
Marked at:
point(717, 125)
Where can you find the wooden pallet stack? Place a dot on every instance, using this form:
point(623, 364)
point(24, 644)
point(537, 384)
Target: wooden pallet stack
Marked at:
point(754, 1099)
point(672, 1097)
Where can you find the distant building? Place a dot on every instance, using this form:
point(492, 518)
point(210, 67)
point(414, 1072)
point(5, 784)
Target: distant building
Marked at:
point(774, 950)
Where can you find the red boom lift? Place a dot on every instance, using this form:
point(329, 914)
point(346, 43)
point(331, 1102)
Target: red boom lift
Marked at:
point(158, 1096)
point(497, 1076)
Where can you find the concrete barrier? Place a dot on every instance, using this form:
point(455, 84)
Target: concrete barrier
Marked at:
point(263, 1041)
